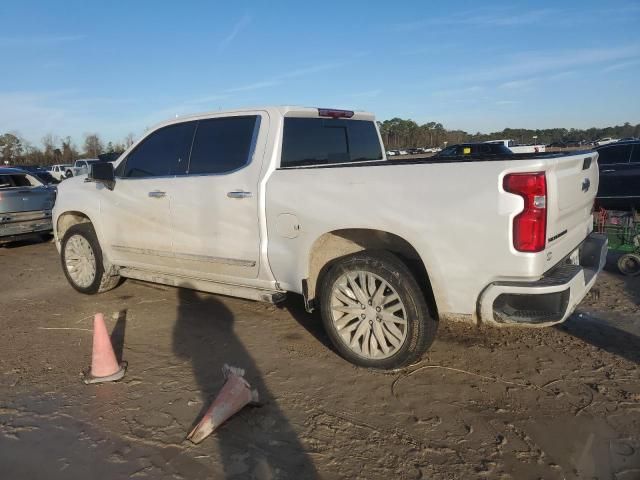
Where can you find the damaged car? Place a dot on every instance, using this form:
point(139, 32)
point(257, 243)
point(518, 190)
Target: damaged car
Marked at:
point(25, 206)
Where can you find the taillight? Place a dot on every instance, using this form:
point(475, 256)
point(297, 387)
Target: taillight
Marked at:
point(334, 113)
point(529, 226)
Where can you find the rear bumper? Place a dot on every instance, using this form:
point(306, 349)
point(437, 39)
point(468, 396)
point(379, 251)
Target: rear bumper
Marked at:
point(551, 299)
point(14, 226)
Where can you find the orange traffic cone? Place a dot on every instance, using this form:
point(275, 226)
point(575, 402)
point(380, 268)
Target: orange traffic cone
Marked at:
point(234, 396)
point(104, 365)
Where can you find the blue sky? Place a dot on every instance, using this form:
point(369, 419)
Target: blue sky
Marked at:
point(111, 67)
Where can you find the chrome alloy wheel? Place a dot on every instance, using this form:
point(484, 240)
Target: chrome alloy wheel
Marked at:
point(80, 261)
point(368, 315)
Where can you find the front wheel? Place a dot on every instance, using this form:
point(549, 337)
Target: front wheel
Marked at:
point(374, 311)
point(82, 261)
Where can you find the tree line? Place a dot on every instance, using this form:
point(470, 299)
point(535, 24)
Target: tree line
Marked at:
point(15, 150)
point(396, 133)
point(401, 133)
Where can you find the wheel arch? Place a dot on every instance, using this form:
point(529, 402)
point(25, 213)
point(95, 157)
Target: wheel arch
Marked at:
point(68, 219)
point(331, 247)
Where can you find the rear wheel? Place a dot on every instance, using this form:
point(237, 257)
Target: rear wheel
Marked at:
point(82, 261)
point(374, 311)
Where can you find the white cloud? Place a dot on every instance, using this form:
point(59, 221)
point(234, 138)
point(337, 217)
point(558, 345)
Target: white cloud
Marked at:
point(457, 92)
point(484, 18)
point(621, 65)
point(528, 64)
point(240, 25)
point(368, 93)
point(39, 40)
point(254, 86)
point(279, 79)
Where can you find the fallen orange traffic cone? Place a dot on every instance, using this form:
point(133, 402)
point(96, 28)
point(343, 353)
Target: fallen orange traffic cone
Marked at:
point(234, 396)
point(104, 365)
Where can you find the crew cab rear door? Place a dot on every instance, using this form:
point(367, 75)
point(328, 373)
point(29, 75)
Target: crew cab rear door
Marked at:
point(214, 207)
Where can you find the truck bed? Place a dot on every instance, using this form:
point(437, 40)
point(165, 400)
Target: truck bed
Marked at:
point(435, 160)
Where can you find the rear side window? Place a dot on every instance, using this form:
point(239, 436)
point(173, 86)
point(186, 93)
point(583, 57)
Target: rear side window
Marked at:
point(222, 145)
point(317, 141)
point(164, 152)
point(614, 154)
point(635, 155)
point(5, 181)
point(21, 181)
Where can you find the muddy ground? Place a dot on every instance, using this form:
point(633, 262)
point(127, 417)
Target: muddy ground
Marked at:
point(485, 403)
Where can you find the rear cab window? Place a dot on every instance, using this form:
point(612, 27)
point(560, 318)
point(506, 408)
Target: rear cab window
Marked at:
point(323, 141)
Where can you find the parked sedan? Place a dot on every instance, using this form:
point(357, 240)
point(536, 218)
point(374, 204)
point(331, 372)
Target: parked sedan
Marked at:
point(25, 205)
point(619, 165)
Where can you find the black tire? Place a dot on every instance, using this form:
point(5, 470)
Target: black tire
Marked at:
point(421, 325)
point(68, 174)
point(629, 264)
point(103, 281)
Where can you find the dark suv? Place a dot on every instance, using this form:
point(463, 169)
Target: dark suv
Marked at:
point(619, 165)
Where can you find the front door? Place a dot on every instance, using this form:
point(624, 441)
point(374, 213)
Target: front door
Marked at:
point(214, 208)
point(136, 217)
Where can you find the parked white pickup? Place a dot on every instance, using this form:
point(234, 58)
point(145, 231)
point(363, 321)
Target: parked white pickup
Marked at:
point(520, 148)
point(80, 167)
point(258, 203)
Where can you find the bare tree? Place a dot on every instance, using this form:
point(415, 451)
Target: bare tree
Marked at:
point(92, 145)
point(49, 142)
point(129, 140)
point(69, 152)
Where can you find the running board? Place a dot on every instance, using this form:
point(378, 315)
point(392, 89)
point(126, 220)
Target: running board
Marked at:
point(240, 291)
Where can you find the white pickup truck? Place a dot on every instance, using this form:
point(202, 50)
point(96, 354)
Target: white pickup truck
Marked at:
point(80, 167)
point(511, 145)
point(258, 203)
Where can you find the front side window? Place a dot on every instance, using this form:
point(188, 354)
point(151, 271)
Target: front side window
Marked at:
point(222, 145)
point(164, 152)
point(614, 154)
point(635, 155)
point(317, 141)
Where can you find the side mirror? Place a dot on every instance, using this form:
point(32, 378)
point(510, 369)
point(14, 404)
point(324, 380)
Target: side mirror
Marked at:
point(102, 172)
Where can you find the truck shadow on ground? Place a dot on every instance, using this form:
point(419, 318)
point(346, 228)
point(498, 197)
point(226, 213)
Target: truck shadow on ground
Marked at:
point(311, 322)
point(258, 442)
point(603, 335)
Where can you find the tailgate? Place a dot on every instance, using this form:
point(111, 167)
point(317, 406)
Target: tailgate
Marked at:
point(572, 184)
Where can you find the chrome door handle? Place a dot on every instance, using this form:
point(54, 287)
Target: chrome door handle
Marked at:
point(239, 194)
point(157, 194)
point(607, 171)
